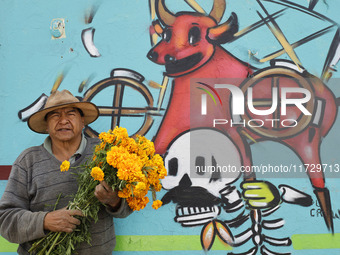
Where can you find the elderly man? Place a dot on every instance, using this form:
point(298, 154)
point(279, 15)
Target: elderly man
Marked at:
point(36, 180)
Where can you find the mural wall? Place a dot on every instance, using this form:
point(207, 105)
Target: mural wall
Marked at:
point(256, 177)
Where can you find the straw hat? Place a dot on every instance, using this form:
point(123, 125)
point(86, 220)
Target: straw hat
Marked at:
point(58, 100)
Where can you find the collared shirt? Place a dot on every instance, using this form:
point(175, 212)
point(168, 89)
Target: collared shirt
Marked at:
point(76, 155)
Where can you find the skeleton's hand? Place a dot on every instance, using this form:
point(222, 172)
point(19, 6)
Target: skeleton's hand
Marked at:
point(231, 199)
point(260, 194)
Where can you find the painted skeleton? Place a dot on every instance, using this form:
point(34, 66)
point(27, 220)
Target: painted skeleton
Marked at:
point(206, 195)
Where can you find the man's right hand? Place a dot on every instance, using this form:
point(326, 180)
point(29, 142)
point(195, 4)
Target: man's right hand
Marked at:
point(62, 220)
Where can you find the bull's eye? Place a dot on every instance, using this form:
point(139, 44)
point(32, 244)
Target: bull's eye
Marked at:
point(194, 35)
point(167, 35)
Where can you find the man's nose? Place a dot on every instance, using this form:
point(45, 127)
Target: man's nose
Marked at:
point(63, 118)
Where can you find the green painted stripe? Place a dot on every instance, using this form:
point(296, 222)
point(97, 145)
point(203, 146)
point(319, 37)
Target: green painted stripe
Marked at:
point(316, 241)
point(164, 243)
point(192, 243)
point(6, 246)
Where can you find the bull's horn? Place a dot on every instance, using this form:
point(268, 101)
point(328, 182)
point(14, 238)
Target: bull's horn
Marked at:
point(224, 32)
point(218, 10)
point(165, 16)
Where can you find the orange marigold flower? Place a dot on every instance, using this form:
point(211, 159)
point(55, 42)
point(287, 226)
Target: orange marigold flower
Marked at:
point(106, 137)
point(137, 176)
point(102, 135)
point(140, 189)
point(102, 146)
point(162, 172)
point(130, 144)
point(156, 204)
point(97, 148)
point(109, 138)
point(144, 158)
point(153, 177)
point(116, 155)
point(97, 174)
point(157, 186)
point(125, 192)
point(157, 163)
point(128, 170)
point(137, 204)
point(121, 133)
point(129, 167)
point(146, 147)
point(65, 166)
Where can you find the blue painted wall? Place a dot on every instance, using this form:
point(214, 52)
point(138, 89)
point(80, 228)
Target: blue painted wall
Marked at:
point(31, 60)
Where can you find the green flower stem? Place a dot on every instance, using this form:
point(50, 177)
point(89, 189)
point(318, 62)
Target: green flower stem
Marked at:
point(62, 239)
point(53, 244)
point(88, 193)
point(78, 203)
point(58, 199)
point(38, 243)
point(89, 202)
point(154, 195)
point(46, 246)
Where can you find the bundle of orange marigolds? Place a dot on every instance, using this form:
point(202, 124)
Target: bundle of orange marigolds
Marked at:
point(128, 165)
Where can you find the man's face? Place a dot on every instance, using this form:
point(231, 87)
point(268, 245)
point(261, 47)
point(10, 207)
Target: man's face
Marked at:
point(64, 125)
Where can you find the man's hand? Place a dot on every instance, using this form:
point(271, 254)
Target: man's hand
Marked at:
point(107, 195)
point(260, 194)
point(62, 220)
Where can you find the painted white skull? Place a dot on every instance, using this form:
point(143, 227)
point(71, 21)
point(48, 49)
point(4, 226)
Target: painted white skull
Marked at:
point(208, 157)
